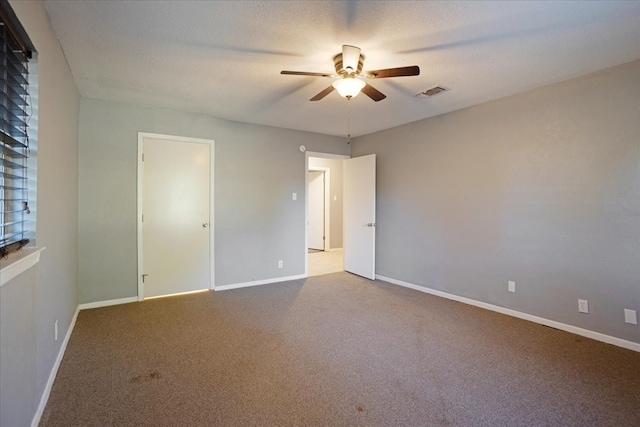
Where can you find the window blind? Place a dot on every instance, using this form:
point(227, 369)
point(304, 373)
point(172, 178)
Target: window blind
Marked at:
point(14, 138)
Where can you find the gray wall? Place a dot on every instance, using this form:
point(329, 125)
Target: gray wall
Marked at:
point(542, 188)
point(33, 301)
point(336, 171)
point(256, 170)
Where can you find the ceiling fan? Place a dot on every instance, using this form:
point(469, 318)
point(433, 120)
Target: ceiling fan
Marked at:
point(348, 65)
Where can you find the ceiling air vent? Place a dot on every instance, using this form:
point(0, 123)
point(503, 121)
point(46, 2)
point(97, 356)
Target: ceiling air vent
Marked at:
point(432, 92)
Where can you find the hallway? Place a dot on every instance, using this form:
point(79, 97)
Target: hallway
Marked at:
point(323, 262)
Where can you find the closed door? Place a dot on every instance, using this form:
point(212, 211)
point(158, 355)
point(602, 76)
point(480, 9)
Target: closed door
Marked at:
point(316, 210)
point(175, 217)
point(360, 216)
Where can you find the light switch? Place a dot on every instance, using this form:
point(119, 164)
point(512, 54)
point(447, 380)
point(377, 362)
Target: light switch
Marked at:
point(294, 196)
point(630, 316)
point(335, 198)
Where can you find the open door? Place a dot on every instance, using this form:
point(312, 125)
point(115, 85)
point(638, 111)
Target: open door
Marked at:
point(360, 216)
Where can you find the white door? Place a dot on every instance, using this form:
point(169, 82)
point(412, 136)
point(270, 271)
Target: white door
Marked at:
point(316, 210)
point(360, 216)
point(175, 216)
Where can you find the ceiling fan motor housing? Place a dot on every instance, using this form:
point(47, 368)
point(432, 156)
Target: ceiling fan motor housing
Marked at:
point(337, 61)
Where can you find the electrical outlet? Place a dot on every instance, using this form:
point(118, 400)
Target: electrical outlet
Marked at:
point(630, 316)
point(55, 333)
point(511, 286)
point(280, 264)
point(583, 306)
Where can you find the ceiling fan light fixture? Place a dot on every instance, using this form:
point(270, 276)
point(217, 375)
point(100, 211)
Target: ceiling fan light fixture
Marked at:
point(349, 86)
point(348, 65)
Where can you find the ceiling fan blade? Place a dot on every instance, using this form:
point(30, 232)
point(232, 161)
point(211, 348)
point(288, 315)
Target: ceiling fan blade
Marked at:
point(373, 93)
point(304, 73)
point(350, 57)
point(322, 94)
point(413, 70)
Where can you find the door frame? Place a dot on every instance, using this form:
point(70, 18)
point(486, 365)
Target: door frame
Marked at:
point(306, 201)
point(141, 137)
point(326, 194)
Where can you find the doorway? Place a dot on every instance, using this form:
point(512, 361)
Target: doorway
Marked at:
point(358, 213)
point(175, 215)
point(324, 204)
point(319, 208)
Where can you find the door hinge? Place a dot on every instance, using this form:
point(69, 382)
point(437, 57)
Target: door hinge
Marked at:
point(143, 157)
point(142, 217)
point(323, 238)
point(143, 276)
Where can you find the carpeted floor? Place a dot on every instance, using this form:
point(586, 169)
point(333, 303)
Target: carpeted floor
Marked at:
point(334, 350)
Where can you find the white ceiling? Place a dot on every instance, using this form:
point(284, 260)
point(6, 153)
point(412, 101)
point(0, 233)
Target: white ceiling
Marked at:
point(224, 57)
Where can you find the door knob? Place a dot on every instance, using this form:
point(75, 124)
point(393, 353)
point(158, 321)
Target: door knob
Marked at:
point(371, 224)
point(205, 225)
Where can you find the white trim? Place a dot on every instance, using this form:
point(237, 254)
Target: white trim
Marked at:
point(107, 303)
point(139, 179)
point(259, 282)
point(326, 155)
point(336, 249)
point(630, 345)
point(18, 262)
point(308, 154)
point(54, 371)
point(140, 176)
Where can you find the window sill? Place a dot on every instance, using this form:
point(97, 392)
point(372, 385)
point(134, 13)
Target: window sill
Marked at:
point(18, 262)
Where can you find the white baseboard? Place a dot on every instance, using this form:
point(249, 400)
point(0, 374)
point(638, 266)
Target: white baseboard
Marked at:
point(630, 345)
point(54, 371)
point(107, 303)
point(259, 282)
point(335, 249)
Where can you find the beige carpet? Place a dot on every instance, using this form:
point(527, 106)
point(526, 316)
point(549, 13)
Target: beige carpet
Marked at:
point(334, 350)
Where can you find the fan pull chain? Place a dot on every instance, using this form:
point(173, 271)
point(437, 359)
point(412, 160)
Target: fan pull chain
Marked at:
point(348, 121)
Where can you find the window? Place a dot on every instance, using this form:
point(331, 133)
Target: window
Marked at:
point(15, 51)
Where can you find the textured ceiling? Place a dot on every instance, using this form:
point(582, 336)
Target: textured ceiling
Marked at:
point(224, 58)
